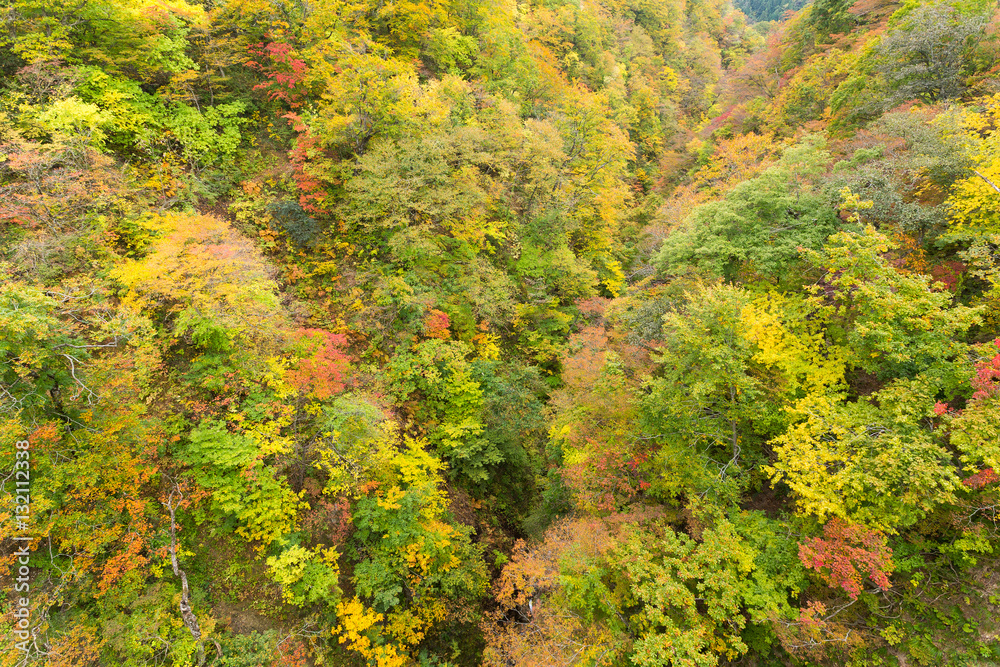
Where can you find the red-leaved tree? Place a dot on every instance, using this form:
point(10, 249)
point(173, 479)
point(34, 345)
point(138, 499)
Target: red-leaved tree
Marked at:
point(846, 553)
point(285, 73)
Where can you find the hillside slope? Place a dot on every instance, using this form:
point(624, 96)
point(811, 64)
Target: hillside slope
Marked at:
point(486, 333)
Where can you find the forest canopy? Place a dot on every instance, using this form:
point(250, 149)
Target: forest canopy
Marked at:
point(557, 333)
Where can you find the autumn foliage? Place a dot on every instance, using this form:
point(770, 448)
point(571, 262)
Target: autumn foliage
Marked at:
point(618, 332)
point(321, 370)
point(846, 554)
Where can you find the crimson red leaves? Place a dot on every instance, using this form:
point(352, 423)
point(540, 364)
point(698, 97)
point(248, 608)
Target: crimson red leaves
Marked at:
point(846, 553)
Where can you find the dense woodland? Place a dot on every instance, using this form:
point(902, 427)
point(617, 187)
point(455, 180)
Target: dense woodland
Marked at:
point(476, 332)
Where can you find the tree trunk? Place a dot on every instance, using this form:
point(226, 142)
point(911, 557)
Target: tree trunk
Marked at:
point(190, 620)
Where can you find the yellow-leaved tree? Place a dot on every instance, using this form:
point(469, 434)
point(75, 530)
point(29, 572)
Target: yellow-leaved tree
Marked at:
point(418, 570)
point(975, 200)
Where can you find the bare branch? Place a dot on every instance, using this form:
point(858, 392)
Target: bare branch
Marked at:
point(190, 620)
point(991, 183)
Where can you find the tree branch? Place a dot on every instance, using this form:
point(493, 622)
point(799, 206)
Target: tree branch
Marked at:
point(991, 183)
point(190, 620)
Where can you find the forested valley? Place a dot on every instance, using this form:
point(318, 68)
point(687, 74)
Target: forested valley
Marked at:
point(652, 333)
